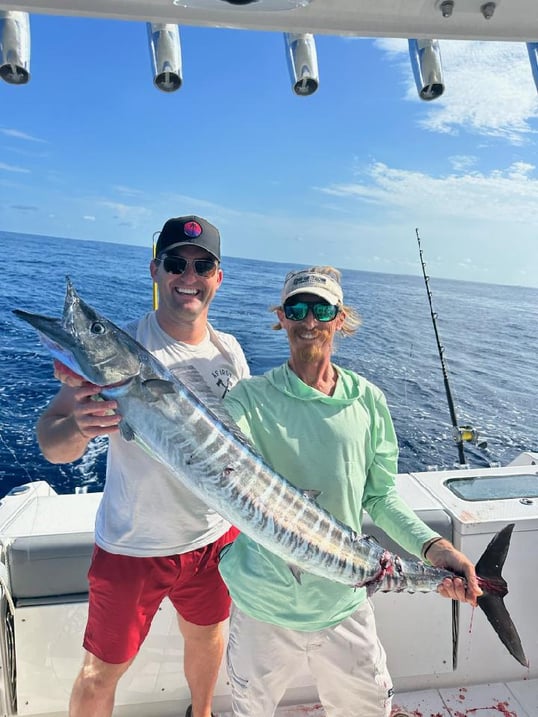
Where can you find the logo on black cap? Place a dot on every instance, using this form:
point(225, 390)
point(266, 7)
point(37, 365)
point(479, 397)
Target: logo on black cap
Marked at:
point(192, 229)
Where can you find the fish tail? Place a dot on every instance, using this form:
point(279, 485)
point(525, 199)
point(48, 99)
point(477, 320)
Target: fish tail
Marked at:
point(488, 571)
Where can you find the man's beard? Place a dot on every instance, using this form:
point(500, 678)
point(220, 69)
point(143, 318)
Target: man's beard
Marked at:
point(314, 351)
point(311, 354)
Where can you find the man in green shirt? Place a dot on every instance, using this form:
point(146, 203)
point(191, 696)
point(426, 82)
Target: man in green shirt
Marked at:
point(329, 430)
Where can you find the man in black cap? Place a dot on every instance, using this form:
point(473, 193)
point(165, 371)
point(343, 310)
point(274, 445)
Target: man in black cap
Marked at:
point(153, 537)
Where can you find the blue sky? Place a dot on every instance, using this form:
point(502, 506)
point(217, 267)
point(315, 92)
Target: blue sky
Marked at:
point(89, 149)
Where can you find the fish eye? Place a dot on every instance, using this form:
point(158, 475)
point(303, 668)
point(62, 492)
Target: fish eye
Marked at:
point(97, 328)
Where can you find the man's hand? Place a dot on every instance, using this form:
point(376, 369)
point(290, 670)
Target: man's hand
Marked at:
point(442, 554)
point(94, 417)
point(74, 416)
point(91, 415)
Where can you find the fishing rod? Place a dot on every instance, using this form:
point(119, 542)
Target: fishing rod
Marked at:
point(462, 434)
point(155, 296)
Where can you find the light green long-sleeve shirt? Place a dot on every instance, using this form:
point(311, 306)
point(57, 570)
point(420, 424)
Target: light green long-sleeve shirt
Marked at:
point(343, 446)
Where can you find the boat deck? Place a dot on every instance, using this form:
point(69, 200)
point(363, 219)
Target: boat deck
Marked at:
point(49, 540)
point(512, 699)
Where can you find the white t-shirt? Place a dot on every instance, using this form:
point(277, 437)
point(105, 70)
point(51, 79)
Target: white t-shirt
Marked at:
point(145, 510)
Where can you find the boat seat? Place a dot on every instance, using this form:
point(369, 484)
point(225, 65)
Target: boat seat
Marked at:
point(43, 567)
point(47, 566)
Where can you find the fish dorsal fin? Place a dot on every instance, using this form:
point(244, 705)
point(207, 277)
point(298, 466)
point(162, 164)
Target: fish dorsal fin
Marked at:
point(127, 432)
point(296, 572)
point(155, 388)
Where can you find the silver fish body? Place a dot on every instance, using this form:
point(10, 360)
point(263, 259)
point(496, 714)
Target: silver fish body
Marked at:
point(213, 459)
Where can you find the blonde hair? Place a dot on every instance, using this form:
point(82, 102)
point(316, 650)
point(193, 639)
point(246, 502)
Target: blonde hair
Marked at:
point(352, 320)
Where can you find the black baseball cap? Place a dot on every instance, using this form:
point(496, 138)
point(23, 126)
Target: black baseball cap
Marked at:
point(181, 231)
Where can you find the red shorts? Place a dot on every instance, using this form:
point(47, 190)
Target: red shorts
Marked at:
point(125, 594)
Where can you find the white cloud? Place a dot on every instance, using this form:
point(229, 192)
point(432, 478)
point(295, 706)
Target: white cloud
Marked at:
point(123, 211)
point(127, 191)
point(462, 162)
point(488, 88)
point(88, 218)
point(509, 194)
point(17, 134)
point(11, 168)
point(126, 215)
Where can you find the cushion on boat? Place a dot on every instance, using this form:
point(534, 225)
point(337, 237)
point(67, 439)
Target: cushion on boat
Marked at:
point(45, 566)
point(42, 566)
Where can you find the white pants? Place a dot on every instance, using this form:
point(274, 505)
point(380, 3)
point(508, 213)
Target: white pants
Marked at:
point(347, 661)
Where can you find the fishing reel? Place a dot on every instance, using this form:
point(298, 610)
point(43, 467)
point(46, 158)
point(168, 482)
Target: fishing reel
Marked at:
point(468, 434)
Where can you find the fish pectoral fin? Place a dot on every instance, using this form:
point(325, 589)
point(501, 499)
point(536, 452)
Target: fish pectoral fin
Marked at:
point(126, 431)
point(313, 494)
point(296, 572)
point(155, 388)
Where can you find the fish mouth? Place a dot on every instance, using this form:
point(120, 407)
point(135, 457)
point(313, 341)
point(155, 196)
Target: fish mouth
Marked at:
point(55, 338)
point(51, 331)
point(61, 354)
point(70, 369)
point(85, 342)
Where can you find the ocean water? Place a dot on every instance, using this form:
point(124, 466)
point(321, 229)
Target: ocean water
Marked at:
point(488, 333)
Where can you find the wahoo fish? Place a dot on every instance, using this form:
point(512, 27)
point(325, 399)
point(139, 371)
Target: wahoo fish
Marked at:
point(185, 427)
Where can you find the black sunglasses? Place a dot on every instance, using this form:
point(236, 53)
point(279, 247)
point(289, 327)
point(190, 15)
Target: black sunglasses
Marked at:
point(322, 312)
point(178, 265)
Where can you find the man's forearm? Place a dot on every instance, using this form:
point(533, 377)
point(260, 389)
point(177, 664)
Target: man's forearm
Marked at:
point(60, 439)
